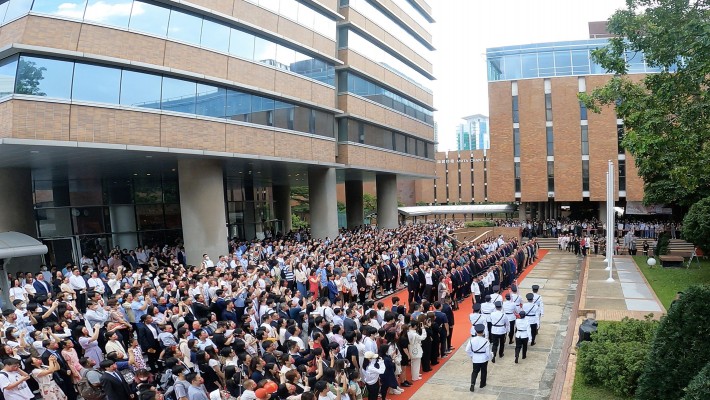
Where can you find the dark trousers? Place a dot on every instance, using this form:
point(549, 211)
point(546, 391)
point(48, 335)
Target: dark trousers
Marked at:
point(483, 369)
point(448, 337)
point(498, 340)
point(479, 299)
point(444, 339)
point(412, 296)
point(512, 331)
point(533, 329)
point(362, 295)
point(81, 301)
point(373, 390)
point(521, 343)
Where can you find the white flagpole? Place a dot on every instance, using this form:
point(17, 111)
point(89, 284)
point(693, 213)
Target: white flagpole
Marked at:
point(610, 220)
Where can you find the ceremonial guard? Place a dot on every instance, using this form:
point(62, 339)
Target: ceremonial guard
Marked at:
point(479, 349)
point(486, 309)
point(499, 330)
point(522, 336)
point(510, 311)
point(531, 311)
point(516, 299)
point(496, 295)
point(537, 299)
point(477, 318)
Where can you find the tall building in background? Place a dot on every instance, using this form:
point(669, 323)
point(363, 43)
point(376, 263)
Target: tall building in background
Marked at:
point(129, 122)
point(473, 134)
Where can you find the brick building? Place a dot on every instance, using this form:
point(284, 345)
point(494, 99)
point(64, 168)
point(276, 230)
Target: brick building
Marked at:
point(129, 122)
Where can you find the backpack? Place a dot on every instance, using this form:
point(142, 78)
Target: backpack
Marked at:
point(89, 391)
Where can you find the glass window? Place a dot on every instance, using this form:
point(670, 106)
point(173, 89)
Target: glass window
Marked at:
point(529, 64)
point(284, 57)
point(411, 145)
point(109, 12)
point(8, 68)
point(580, 62)
point(17, 8)
point(149, 18)
point(96, 83)
point(353, 134)
point(620, 138)
point(88, 220)
point(289, 9)
point(516, 174)
point(635, 62)
point(512, 67)
point(325, 125)
point(238, 106)
point(516, 115)
point(495, 69)
point(150, 217)
point(302, 119)
point(44, 77)
point(139, 89)
point(400, 142)
point(563, 63)
point(241, 44)
point(283, 115)
point(324, 25)
point(178, 95)
point(550, 141)
point(582, 111)
point(546, 64)
point(550, 176)
point(622, 174)
point(63, 8)
point(185, 27)
point(305, 16)
point(3, 9)
point(262, 110)
point(148, 190)
point(215, 36)
point(173, 219)
point(54, 222)
point(264, 51)
point(516, 142)
point(585, 175)
point(585, 140)
point(210, 100)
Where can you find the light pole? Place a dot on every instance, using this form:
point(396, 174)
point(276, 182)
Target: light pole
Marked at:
point(610, 220)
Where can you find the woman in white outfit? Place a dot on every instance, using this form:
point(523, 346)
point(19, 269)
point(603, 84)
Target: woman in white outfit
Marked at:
point(415, 348)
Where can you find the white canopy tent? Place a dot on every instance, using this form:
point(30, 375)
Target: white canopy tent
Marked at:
point(457, 209)
point(13, 245)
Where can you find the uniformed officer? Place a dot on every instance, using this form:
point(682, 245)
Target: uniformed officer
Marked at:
point(499, 330)
point(537, 299)
point(477, 318)
point(479, 349)
point(509, 310)
point(522, 336)
point(486, 309)
point(531, 311)
point(516, 299)
point(496, 295)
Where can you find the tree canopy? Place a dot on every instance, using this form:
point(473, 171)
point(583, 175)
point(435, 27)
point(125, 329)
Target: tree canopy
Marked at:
point(666, 114)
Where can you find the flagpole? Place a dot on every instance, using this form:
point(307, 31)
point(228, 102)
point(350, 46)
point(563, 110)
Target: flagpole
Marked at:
point(610, 220)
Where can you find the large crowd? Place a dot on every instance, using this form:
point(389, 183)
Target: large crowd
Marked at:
point(281, 318)
point(644, 229)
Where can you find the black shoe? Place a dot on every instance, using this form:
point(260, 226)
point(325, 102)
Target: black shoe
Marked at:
point(510, 342)
point(493, 360)
point(524, 357)
point(483, 385)
point(427, 370)
point(405, 384)
point(501, 355)
point(435, 363)
point(408, 383)
point(472, 388)
point(532, 344)
point(516, 360)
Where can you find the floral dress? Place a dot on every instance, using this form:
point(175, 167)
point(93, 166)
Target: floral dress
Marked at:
point(50, 390)
point(138, 355)
point(73, 360)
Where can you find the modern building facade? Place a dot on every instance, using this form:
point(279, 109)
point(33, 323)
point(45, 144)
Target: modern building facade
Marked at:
point(548, 153)
point(473, 134)
point(129, 122)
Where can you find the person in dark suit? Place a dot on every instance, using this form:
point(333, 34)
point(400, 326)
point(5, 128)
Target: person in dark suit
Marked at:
point(63, 376)
point(413, 285)
point(148, 332)
point(349, 324)
point(41, 286)
point(200, 308)
point(115, 387)
point(361, 282)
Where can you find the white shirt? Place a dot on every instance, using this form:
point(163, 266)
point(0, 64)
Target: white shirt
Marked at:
point(20, 392)
point(479, 349)
point(522, 329)
point(499, 323)
point(77, 282)
point(97, 284)
point(509, 310)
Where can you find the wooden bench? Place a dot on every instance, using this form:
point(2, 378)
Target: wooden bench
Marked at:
point(668, 261)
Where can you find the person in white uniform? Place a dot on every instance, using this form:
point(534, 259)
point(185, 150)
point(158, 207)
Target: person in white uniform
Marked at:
point(479, 349)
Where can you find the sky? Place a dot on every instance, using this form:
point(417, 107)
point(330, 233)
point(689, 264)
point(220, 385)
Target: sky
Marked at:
point(465, 28)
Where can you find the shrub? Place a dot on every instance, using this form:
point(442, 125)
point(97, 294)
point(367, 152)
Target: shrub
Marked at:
point(662, 244)
point(680, 346)
point(699, 387)
point(695, 224)
point(616, 356)
point(479, 223)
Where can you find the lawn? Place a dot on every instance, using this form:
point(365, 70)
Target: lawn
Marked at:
point(666, 282)
point(582, 391)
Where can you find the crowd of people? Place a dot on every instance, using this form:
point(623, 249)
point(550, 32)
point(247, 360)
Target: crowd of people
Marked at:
point(281, 318)
point(644, 229)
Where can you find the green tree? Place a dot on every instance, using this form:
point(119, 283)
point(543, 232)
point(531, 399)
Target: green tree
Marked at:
point(696, 225)
point(300, 201)
point(28, 78)
point(699, 387)
point(679, 349)
point(369, 203)
point(297, 223)
point(666, 114)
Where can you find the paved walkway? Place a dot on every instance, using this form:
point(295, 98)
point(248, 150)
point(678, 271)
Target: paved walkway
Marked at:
point(629, 295)
point(557, 274)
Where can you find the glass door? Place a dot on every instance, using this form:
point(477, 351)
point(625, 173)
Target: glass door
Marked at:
point(60, 251)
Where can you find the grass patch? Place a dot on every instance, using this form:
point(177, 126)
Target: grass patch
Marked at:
point(583, 391)
point(666, 282)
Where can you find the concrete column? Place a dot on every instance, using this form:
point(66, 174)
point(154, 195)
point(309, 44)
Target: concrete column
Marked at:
point(354, 205)
point(387, 214)
point(123, 222)
point(522, 216)
point(202, 207)
point(282, 206)
point(602, 211)
point(323, 202)
point(250, 218)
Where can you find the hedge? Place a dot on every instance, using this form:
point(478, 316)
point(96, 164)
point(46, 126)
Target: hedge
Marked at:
point(616, 356)
point(699, 387)
point(479, 224)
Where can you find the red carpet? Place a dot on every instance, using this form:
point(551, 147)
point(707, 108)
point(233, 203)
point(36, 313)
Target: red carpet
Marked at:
point(461, 330)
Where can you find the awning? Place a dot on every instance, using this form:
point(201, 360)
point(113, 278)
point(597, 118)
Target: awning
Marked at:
point(457, 209)
point(16, 244)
